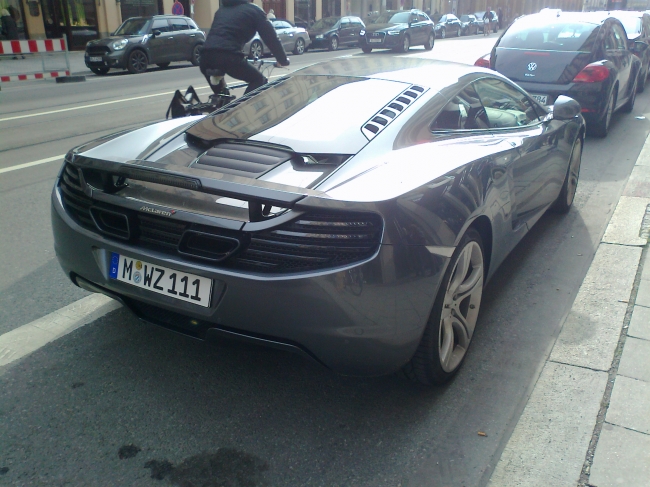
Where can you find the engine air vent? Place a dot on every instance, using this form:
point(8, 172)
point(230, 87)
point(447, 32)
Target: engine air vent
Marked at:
point(390, 112)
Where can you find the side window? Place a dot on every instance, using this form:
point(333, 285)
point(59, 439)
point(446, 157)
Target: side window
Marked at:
point(464, 112)
point(505, 106)
point(620, 37)
point(345, 23)
point(160, 24)
point(443, 19)
point(178, 24)
point(610, 40)
point(422, 18)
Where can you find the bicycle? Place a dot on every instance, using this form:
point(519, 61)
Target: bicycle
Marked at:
point(189, 104)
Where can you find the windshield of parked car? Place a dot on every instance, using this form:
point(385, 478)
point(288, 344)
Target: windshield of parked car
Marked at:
point(464, 18)
point(479, 15)
point(527, 33)
point(133, 27)
point(632, 24)
point(326, 23)
point(393, 18)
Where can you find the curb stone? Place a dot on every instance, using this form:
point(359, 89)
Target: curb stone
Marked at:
point(566, 436)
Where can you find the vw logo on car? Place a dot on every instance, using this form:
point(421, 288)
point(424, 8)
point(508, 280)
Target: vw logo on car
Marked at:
point(532, 66)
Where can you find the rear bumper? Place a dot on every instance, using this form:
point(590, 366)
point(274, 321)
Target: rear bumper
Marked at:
point(365, 319)
point(591, 96)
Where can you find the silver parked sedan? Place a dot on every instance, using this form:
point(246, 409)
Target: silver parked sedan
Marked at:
point(294, 39)
point(360, 241)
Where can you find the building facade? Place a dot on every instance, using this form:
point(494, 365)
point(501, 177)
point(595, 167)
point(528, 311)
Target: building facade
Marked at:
point(80, 21)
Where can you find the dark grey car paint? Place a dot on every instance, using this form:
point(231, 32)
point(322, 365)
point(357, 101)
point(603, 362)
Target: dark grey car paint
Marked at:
point(377, 330)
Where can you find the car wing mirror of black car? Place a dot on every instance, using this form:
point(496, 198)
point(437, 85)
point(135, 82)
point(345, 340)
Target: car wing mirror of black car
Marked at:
point(638, 46)
point(565, 108)
point(155, 32)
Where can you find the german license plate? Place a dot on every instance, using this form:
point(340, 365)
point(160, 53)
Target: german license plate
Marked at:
point(540, 98)
point(161, 280)
point(374, 40)
point(95, 59)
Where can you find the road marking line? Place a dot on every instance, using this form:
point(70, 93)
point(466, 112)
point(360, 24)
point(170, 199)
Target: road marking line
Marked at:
point(6, 119)
point(30, 164)
point(30, 337)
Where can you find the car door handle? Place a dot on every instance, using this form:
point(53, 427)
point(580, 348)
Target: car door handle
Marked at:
point(170, 38)
point(192, 35)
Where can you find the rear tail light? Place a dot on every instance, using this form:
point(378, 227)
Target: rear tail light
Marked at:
point(592, 73)
point(483, 62)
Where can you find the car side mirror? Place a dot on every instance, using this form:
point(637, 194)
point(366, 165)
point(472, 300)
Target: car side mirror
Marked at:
point(638, 46)
point(565, 108)
point(155, 32)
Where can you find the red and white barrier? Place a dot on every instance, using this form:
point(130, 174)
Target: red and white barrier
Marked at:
point(23, 77)
point(24, 47)
point(35, 47)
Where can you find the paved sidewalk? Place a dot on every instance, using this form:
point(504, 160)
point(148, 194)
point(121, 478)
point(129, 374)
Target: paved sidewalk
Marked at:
point(587, 421)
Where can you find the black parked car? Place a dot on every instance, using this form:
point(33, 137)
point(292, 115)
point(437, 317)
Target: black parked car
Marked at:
point(332, 32)
point(398, 30)
point(448, 25)
point(637, 28)
point(468, 25)
point(583, 55)
point(141, 41)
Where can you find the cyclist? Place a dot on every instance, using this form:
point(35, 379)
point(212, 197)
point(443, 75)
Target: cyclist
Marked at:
point(234, 24)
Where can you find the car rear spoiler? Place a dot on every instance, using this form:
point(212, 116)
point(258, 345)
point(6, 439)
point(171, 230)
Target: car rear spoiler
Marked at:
point(260, 195)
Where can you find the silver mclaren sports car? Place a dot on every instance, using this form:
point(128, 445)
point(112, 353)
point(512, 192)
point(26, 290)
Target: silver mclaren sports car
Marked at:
point(351, 212)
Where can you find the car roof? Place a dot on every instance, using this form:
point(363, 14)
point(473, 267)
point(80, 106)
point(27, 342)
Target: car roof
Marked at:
point(427, 72)
point(595, 18)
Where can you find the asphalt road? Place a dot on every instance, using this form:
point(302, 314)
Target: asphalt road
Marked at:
point(118, 401)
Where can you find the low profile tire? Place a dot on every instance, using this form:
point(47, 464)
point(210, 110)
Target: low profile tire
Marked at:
point(196, 55)
point(137, 62)
point(256, 50)
point(406, 44)
point(430, 42)
point(601, 127)
point(367, 50)
point(568, 192)
point(334, 43)
point(163, 65)
point(629, 105)
point(640, 87)
point(449, 331)
point(443, 33)
point(100, 71)
point(299, 47)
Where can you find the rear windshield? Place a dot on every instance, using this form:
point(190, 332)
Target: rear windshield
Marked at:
point(464, 18)
point(133, 27)
point(556, 36)
point(632, 24)
point(325, 23)
point(393, 18)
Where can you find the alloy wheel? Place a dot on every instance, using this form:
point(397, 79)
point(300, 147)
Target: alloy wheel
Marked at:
point(406, 44)
point(461, 307)
point(334, 43)
point(256, 50)
point(443, 33)
point(196, 54)
point(574, 172)
point(300, 47)
point(138, 62)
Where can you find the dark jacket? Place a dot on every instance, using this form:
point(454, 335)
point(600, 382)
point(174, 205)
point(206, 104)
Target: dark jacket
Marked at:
point(236, 22)
point(9, 27)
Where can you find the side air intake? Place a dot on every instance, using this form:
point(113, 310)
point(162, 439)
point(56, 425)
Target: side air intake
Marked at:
point(391, 111)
